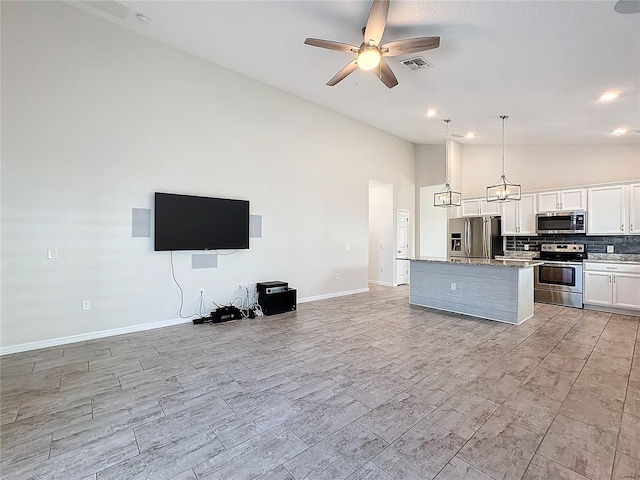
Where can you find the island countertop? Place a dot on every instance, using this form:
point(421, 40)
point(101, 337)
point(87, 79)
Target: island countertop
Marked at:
point(523, 263)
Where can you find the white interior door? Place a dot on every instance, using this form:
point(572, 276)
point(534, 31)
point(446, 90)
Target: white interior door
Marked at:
point(402, 243)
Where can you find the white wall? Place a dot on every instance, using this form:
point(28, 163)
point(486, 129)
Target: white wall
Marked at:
point(433, 224)
point(381, 234)
point(430, 171)
point(539, 167)
point(96, 118)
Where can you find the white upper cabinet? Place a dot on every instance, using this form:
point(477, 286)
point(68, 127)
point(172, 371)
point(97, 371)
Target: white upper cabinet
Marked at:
point(479, 206)
point(607, 210)
point(634, 208)
point(562, 200)
point(519, 218)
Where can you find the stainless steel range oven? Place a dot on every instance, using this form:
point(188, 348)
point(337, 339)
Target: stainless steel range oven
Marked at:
point(559, 279)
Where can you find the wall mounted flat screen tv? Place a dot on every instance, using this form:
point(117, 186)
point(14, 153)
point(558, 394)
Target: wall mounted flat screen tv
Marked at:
point(185, 222)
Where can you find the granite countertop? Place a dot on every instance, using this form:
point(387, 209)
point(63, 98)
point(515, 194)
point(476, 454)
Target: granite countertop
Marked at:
point(519, 255)
point(478, 261)
point(630, 258)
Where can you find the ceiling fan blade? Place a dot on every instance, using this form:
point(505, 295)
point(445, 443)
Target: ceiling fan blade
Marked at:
point(409, 45)
point(340, 47)
point(342, 74)
point(386, 74)
point(376, 22)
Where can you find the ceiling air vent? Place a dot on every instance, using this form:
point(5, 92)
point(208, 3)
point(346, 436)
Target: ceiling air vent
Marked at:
point(416, 63)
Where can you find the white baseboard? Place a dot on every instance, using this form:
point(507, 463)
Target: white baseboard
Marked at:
point(384, 284)
point(621, 311)
point(54, 342)
point(332, 295)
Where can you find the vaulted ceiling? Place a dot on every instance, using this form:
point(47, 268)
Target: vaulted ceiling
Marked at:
point(543, 63)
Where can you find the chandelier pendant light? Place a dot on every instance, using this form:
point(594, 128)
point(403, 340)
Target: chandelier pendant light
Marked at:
point(504, 190)
point(447, 197)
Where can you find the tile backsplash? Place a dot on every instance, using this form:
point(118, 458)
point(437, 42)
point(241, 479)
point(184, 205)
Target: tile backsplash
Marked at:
point(595, 244)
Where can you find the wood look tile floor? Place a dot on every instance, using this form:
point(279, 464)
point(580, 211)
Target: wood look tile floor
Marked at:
point(358, 387)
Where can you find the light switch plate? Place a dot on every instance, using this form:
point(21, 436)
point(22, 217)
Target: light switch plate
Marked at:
point(526, 247)
point(610, 249)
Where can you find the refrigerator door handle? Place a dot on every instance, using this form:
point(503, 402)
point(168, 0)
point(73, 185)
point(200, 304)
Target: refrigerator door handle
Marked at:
point(467, 237)
point(485, 243)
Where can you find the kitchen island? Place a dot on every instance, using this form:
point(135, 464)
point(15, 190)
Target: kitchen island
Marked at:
point(499, 290)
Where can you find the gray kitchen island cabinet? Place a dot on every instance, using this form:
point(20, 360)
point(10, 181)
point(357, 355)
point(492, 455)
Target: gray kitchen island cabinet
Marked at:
point(500, 290)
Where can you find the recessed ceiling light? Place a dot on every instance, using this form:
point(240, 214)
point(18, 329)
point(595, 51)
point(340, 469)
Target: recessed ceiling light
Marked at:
point(619, 131)
point(143, 18)
point(431, 113)
point(470, 135)
point(608, 96)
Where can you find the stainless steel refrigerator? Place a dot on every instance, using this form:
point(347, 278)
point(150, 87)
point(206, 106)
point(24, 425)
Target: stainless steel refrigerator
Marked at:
point(475, 237)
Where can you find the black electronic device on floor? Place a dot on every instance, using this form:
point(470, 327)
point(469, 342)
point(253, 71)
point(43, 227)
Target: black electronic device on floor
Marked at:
point(271, 287)
point(276, 297)
point(221, 314)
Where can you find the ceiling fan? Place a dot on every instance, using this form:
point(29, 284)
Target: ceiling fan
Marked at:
point(370, 53)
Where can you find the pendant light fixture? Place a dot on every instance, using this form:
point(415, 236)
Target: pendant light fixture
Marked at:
point(504, 190)
point(447, 197)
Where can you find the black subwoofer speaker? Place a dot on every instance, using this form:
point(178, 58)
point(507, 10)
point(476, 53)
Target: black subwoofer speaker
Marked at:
point(280, 302)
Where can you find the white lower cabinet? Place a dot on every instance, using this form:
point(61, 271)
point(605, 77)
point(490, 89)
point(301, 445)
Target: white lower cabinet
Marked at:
point(626, 290)
point(614, 285)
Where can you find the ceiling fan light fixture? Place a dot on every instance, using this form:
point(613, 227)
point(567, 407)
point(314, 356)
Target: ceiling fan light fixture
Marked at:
point(504, 190)
point(369, 58)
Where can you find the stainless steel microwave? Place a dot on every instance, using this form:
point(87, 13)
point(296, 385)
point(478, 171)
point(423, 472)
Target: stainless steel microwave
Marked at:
point(562, 222)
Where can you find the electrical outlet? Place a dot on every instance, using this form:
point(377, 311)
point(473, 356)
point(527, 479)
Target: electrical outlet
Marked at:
point(86, 305)
point(610, 249)
point(381, 269)
point(337, 276)
point(52, 253)
point(201, 291)
point(526, 247)
point(347, 247)
point(454, 286)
